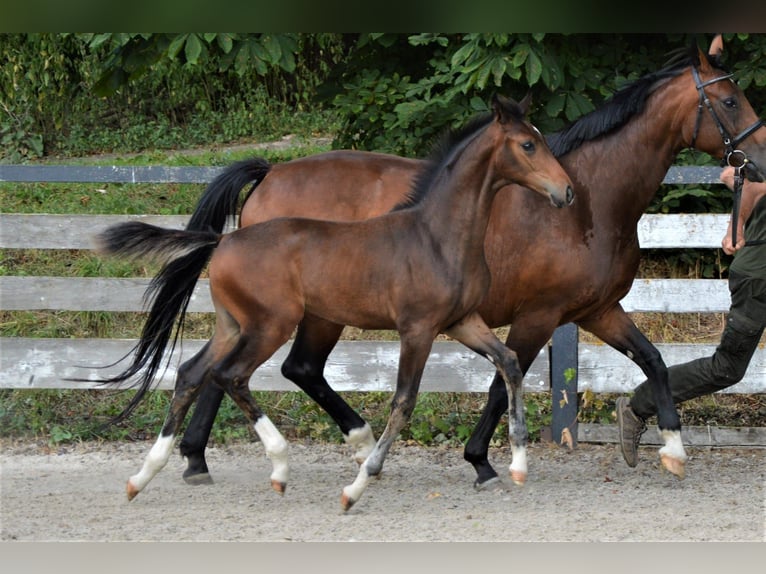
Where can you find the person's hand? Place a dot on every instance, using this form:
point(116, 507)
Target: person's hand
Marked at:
point(727, 245)
point(727, 177)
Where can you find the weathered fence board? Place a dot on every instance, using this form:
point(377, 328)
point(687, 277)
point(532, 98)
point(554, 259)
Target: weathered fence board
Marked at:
point(126, 294)
point(691, 436)
point(195, 174)
point(45, 231)
point(353, 366)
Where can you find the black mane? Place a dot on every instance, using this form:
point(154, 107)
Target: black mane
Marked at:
point(440, 153)
point(622, 106)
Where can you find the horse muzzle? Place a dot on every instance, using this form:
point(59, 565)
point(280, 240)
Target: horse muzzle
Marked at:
point(567, 199)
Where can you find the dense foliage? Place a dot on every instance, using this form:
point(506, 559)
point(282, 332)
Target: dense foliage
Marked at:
point(66, 93)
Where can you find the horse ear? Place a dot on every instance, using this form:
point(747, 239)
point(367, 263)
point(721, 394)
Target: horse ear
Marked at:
point(505, 108)
point(526, 103)
point(703, 62)
point(716, 46)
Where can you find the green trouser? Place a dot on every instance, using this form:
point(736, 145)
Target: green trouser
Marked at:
point(744, 327)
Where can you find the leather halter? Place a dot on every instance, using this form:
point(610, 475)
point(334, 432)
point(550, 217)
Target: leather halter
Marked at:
point(732, 155)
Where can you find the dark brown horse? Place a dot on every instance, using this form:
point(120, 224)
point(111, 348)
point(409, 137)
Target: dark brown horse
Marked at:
point(617, 156)
point(419, 269)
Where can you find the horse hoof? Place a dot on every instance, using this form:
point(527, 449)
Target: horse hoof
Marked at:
point(197, 479)
point(674, 466)
point(131, 490)
point(519, 477)
point(346, 502)
point(493, 483)
point(278, 486)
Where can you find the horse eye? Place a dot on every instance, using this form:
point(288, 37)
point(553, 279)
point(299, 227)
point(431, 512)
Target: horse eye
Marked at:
point(730, 103)
point(528, 146)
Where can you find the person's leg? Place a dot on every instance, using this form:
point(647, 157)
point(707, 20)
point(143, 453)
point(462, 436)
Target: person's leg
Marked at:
point(726, 367)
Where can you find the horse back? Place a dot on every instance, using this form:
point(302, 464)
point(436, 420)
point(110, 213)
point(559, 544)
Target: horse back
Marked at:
point(341, 185)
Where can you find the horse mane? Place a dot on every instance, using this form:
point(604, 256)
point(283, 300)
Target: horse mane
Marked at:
point(442, 150)
point(624, 104)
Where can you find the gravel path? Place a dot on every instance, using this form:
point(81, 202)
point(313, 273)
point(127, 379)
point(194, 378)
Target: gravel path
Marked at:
point(424, 494)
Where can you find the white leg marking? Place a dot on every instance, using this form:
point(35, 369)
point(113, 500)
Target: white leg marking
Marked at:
point(674, 447)
point(154, 462)
point(276, 448)
point(363, 440)
point(518, 468)
point(354, 491)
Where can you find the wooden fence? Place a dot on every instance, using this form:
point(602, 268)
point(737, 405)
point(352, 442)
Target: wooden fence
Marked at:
point(32, 363)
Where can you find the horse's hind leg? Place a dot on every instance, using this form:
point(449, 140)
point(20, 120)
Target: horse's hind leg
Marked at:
point(617, 329)
point(304, 366)
point(473, 332)
point(191, 376)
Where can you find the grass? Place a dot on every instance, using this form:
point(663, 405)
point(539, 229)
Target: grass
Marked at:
point(59, 416)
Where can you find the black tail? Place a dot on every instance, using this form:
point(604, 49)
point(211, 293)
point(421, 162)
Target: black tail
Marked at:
point(221, 196)
point(185, 254)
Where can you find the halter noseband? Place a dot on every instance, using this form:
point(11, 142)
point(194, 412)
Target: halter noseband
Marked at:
point(732, 156)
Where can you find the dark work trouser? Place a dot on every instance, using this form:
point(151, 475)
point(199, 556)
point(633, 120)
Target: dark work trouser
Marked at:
point(726, 367)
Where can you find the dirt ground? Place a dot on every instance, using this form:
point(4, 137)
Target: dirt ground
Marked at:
point(76, 493)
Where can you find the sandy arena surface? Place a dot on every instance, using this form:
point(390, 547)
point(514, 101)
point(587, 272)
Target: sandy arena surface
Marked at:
point(77, 493)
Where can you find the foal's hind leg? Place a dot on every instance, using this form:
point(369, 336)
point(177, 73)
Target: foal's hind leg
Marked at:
point(305, 365)
point(197, 434)
point(473, 332)
point(233, 375)
point(191, 376)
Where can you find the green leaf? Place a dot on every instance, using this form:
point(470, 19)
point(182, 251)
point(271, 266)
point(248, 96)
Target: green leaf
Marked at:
point(225, 42)
point(498, 69)
point(462, 54)
point(520, 54)
point(555, 105)
point(193, 49)
point(176, 45)
point(483, 76)
point(272, 47)
point(533, 67)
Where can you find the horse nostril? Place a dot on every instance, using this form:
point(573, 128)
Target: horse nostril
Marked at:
point(570, 194)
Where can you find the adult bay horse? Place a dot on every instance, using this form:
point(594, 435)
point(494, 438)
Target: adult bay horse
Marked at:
point(617, 157)
point(419, 269)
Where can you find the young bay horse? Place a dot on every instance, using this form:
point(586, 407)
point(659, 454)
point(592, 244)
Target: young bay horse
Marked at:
point(617, 157)
point(419, 269)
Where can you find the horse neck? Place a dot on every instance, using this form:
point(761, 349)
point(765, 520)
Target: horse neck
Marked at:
point(457, 210)
point(622, 171)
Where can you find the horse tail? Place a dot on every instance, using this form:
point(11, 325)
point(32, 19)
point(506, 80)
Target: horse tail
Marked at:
point(221, 196)
point(184, 255)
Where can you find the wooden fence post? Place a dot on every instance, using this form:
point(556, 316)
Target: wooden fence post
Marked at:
point(563, 373)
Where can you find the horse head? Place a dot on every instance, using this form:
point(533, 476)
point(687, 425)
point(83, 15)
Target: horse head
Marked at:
point(724, 124)
point(524, 156)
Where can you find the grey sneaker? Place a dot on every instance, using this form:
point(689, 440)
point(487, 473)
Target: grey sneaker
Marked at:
point(631, 427)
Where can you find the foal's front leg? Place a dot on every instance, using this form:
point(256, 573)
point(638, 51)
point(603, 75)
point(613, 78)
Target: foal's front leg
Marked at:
point(474, 333)
point(413, 354)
